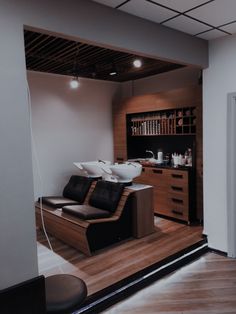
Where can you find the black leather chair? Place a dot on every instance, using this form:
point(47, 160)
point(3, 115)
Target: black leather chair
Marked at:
point(108, 215)
point(74, 193)
point(102, 202)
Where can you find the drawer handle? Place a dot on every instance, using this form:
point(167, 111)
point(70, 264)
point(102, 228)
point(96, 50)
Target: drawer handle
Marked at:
point(177, 200)
point(174, 211)
point(177, 176)
point(176, 188)
point(157, 171)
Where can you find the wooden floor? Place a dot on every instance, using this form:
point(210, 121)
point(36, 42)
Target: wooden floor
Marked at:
point(206, 286)
point(112, 264)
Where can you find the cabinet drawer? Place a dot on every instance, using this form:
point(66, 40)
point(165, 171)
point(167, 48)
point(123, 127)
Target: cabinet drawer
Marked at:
point(170, 208)
point(153, 176)
point(178, 212)
point(174, 212)
point(178, 175)
point(178, 200)
point(158, 177)
point(179, 188)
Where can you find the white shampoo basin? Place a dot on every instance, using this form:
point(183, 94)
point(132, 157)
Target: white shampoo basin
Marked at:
point(126, 172)
point(92, 169)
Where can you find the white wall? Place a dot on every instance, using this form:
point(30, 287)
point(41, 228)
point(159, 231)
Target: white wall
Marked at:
point(178, 78)
point(218, 81)
point(18, 258)
point(69, 125)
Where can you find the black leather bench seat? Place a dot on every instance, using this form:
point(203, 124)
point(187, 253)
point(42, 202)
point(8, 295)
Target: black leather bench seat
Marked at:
point(74, 193)
point(86, 212)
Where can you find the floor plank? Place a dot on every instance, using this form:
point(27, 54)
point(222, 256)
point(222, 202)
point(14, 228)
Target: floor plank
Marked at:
point(119, 261)
point(207, 285)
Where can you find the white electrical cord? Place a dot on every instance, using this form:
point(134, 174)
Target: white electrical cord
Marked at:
point(37, 167)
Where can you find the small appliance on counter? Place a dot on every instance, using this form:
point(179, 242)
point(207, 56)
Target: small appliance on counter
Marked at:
point(182, 160)
point(159, 157)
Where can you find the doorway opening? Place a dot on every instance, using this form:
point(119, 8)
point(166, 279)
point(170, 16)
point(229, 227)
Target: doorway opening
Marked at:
point(73, 126)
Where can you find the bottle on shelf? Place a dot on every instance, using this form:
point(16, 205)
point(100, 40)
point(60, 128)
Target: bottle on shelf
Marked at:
point(188, 157)
point(165, 122)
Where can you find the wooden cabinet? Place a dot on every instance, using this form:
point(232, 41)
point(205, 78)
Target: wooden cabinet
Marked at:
point(173, 191)
point(183, 110)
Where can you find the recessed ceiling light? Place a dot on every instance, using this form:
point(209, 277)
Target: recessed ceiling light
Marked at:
point(137, 63)
point(74, 83)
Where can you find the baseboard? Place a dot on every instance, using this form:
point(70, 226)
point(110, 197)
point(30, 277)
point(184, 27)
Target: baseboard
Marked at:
point(107, 297)
point(219, 252)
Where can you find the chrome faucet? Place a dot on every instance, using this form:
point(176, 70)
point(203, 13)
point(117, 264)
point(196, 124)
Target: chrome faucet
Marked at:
point(151, 152)
point(99, 160)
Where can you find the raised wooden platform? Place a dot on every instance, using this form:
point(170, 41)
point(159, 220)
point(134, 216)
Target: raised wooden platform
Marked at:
point(119, 261)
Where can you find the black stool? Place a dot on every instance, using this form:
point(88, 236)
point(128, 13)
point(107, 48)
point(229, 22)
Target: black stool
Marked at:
point(64, 293)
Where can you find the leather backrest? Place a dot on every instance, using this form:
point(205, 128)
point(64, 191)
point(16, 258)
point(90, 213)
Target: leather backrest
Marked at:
point(106, 195)
point(77, 188)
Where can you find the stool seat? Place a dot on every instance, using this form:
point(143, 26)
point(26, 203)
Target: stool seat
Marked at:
point(64, 293)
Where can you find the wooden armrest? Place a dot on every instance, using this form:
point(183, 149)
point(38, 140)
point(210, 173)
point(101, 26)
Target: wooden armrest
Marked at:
point(97, 221)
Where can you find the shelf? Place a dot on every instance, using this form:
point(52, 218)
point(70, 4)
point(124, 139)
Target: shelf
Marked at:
point(163, 122)
point(176, 134)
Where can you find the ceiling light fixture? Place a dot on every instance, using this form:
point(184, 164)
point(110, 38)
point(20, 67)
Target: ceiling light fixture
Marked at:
point(137, 63)
point(74, 83)
point(113, 69)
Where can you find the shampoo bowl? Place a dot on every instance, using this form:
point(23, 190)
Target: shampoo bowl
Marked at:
point(92, 169)
point(125, 173)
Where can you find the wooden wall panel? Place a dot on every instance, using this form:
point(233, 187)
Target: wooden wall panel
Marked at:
point(183, 97)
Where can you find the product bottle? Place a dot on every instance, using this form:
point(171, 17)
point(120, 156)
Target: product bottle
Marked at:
point(189, 159)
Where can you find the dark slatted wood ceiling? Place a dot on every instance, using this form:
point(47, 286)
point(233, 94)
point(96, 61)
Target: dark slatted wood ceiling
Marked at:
point(51, 54)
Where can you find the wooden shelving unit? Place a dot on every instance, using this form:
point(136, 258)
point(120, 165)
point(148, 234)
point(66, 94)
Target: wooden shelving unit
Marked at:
point(166, 101)
point(181, 121)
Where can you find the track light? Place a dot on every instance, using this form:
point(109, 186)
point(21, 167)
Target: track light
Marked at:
point(137, 63)
point(113, 70)
point(74, 83)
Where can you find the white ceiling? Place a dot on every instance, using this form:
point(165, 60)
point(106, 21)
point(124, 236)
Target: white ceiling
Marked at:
point(201, 18)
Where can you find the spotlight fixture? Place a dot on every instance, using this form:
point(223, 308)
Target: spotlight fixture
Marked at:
point(74, 83)
point(137, 63)
point(113, 69)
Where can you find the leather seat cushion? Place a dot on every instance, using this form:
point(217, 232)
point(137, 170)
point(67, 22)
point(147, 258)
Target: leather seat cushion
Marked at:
point(57, 201)
point(106, 195)
point(77, 188)
point(64, 293)
point(86, 212)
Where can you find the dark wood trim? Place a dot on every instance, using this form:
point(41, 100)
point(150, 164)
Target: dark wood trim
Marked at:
point(219, 252)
